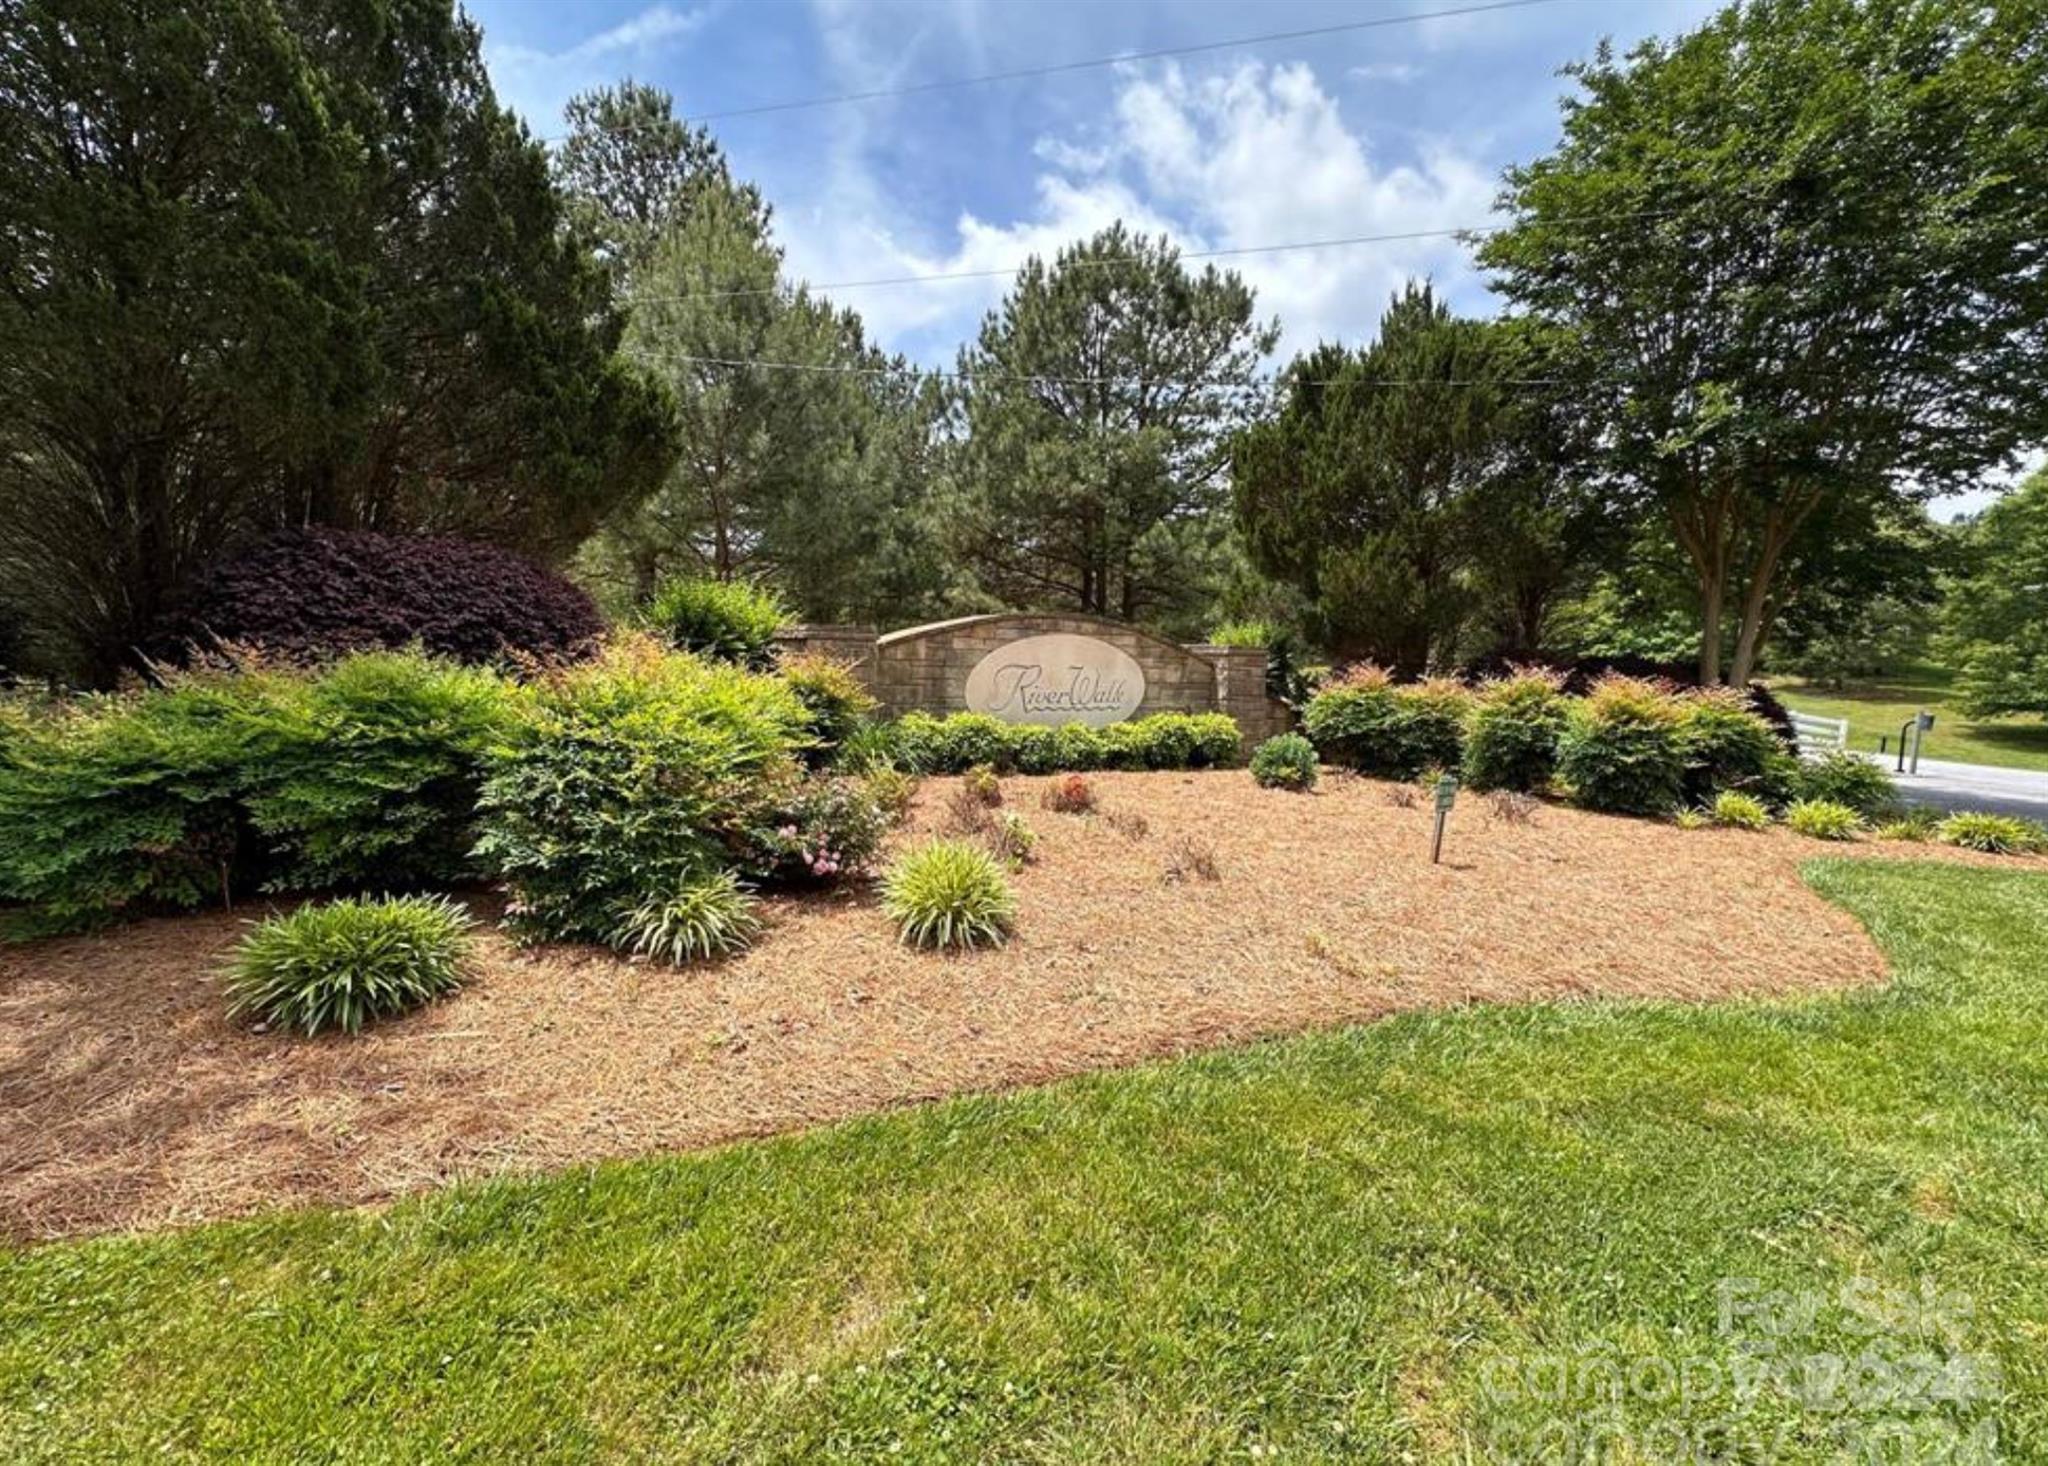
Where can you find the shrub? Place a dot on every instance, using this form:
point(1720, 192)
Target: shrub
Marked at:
point(705, 917)
point(1739, 811)
point(1189, 858)
point(1069, 794)
point(949, 894)
point(347, 962)
point(1621, 750)
point(838, 702)
point(310, 594)
point(891, 789)
point(1823, 819)
point(115, 804)
point(1844, 778)
point(1035, 749)
point(826, 828)
point(627, 778)
point(724, 620)
point(1994, 834)
point(1078, 747)
point(1285, 762)
point(960, 742)
point(368, 772)
point(1511, 737)
point(1010, 839)
point(1128, 823)
point(965, 813)
point(1692, 819)
point(1726, 745)
point(982, 785)
point(1367, 723)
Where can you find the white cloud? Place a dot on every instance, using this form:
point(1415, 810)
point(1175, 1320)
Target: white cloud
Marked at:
point(537, 83)
point(1399, 72)
point(1250, 156)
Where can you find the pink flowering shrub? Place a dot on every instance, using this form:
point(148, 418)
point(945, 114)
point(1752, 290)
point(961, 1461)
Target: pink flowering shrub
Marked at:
point(828, 828)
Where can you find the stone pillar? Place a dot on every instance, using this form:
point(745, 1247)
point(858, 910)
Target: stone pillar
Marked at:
point(853, 646)
point(1241, 691)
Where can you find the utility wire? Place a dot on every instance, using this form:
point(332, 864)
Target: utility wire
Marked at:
point(1093, 63)
point(1256, 379)
point(941, 277)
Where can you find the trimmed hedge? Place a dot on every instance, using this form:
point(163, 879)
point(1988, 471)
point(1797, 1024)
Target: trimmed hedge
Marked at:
point(1367, 722)
point(313, 594)
point(1511, 738)
point(960, 741)
point(1622, 749)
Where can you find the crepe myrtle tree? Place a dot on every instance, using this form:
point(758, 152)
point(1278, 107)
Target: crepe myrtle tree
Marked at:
point(1807, 248)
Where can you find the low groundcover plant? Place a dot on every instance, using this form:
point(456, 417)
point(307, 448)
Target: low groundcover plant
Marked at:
point(347, 962)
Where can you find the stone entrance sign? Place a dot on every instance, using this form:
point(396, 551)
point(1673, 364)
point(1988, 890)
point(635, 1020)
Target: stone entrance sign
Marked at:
point(1049, 668)
point(1061, 678)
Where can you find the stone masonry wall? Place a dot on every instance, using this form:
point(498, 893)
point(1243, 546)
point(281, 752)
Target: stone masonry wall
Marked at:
point(925, 667)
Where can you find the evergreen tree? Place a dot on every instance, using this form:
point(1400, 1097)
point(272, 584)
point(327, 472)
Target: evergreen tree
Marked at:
point(1094, 412)
point(1995, 622)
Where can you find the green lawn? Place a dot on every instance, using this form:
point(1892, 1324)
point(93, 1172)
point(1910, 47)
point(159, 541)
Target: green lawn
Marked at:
point(1369, 1245)
point(1878, 708)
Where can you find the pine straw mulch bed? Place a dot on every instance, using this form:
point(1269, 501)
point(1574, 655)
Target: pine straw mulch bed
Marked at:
point(127, 1100)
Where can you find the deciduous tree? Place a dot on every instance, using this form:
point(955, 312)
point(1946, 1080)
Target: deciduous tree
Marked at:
point(1805, 245)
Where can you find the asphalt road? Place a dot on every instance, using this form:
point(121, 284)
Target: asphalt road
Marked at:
point(2023, 792)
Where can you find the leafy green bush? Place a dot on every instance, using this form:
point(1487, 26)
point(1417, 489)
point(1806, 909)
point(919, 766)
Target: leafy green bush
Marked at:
point(630, 776)
point(114, 804)
point(1739, 811)
point(1994, 834)
point(1844, 778)
point(1726, 745)
point(1035, 749)
point(1363, 720)
point(368, 771)
point(839, 703)
point(957, 743)
point(1511, 737)
point(725, 620)
point(347, 962)
point(1621, 749)
point(707, 916)
point(1285, 762)
point(949, 893)
point(1077, 748)
point(960, 741)
point(824, 829)
point(1823, 819)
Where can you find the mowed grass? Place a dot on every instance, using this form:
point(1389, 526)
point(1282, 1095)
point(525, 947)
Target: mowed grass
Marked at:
point(1351, 1246)
point(1878, 708)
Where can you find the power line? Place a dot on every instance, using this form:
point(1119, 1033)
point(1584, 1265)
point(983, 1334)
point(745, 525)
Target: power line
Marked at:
point(1092, 63)
point(941, 277)
point(1033, 379)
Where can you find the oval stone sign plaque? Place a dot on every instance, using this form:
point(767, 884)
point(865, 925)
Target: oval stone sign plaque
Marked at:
point(1057, 679)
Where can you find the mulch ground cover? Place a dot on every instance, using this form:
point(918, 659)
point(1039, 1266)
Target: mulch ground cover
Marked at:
point(128, 1100)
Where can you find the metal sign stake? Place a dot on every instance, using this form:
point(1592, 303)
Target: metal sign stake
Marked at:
point(1446, 792)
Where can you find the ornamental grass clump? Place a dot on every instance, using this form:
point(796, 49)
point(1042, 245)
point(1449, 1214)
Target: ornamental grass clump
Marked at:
point(349, 962)
point(1735, 810)
point(1621, 750)
point(1993, 834)
point(1512, 734)
point(705, 917)
point(949, 893)
point(1285, 762)
point(1823, 819)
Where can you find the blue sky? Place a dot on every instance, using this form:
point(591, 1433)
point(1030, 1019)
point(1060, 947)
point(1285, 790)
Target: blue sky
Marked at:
point(1403, 127)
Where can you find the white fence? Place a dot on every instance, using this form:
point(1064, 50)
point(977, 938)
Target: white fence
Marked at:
point(1819, 735)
